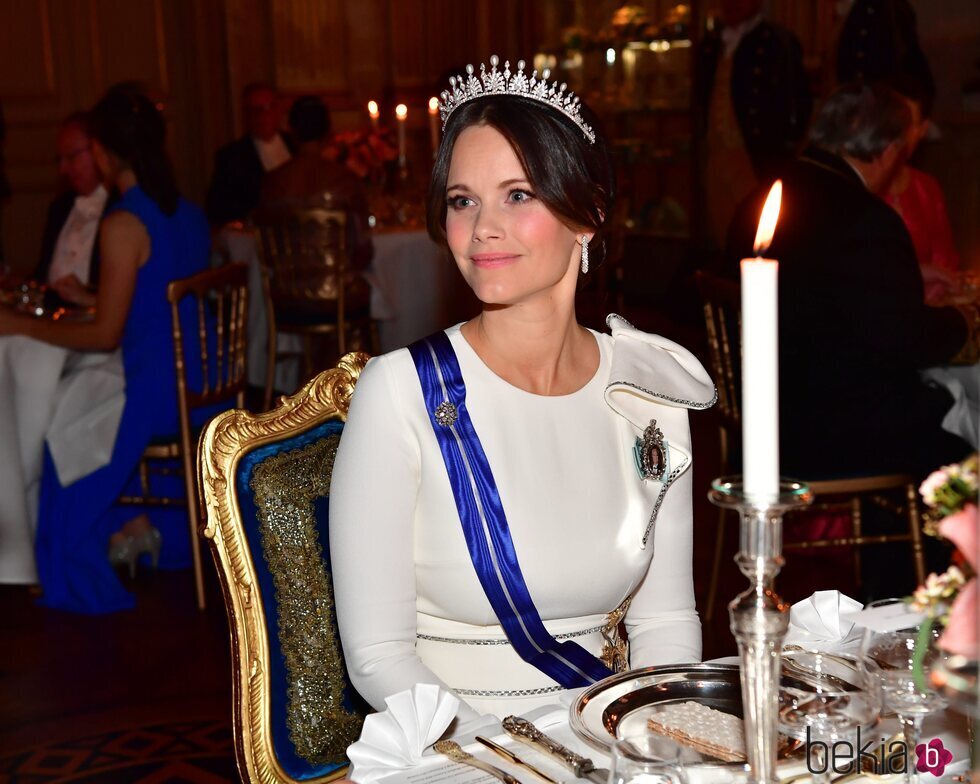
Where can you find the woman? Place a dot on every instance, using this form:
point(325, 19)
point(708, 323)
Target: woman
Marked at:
point(150, 237)
point(586, 483)
point(918, 198)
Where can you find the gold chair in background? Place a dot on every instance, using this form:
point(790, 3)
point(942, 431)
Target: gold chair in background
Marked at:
point(266, 482)
point(309, 287)
point(721, 300)
point(221, 305)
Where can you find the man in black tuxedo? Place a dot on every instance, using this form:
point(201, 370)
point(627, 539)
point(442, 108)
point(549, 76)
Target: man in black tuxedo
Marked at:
point(239, 166)
point(756, 104)
point(879, 42)
point(69, 260)
point(853, 326)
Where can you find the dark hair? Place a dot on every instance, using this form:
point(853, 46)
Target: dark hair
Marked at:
point(861, 120)
point(572, 177)
point(129, 125)
point(309, 119)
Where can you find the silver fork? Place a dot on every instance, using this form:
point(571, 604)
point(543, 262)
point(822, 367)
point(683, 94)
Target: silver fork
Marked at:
point(454, 751)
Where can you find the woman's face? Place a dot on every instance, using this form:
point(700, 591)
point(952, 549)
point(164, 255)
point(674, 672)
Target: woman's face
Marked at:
point(509, 247)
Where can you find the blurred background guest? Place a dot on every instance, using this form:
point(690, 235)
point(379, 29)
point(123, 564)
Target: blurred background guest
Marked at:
point(309, 179)
point(149, 238)
point(854, 327)
point(879, 41)
point(69, 246)
point(240, 165)
point(756, 105)
point(918, 198)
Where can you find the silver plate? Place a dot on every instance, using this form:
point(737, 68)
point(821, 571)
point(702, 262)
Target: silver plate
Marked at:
point(620, 705)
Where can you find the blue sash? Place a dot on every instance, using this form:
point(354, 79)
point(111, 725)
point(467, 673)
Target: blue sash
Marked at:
point(485, 524)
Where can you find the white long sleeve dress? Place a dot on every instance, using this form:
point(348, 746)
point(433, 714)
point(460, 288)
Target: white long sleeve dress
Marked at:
point(588, 531)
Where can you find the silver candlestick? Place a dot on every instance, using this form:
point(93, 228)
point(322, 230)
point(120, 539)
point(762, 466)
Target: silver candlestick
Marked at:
point(759, 617)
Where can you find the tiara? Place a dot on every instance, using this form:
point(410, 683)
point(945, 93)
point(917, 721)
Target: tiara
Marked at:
point(463, 89)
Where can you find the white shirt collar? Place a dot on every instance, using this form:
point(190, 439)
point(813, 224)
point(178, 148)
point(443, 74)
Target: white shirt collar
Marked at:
point(856, 171)
point(273, 153)
point(731, 37)
point(91, 206)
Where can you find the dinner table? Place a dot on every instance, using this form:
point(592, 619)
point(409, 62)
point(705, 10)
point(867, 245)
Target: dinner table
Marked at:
point(415, 291)
point(554, 721)
point(71, 401)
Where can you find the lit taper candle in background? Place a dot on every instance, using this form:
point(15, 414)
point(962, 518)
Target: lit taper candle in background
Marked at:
point(401, 113)
point(434, 124)
point(373, 113)
point(760, 363)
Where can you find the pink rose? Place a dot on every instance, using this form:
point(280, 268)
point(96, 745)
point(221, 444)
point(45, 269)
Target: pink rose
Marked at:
point(961, 635)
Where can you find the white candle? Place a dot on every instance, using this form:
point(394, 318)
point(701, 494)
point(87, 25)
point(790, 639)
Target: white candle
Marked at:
point(401, 113)
point(760, 364)
point(374, 113)
point(434, 124)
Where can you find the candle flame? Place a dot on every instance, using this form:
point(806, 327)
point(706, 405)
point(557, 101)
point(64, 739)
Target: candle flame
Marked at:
point(401, 111)
point(767, 222)
point(433, 105)
point(373, 109)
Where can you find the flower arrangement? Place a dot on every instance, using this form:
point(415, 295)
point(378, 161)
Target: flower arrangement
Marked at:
point(365, 152)
point(951, 497)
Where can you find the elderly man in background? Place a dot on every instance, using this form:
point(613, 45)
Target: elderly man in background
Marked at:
point(69, 260)
point(854, 329)
point(756, 104)
point(240, 166)
point(312, 180)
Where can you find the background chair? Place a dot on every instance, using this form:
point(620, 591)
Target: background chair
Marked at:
point(721, 300)
point(266, 482)
point(309, 286)
point(220, 305)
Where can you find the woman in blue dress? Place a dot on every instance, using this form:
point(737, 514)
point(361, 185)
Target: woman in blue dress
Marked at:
point(151, 237)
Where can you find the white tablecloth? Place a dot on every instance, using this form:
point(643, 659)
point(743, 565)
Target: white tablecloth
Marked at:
point(950, 727)
point(415, 290)
point(963, 383)
point(47, 391)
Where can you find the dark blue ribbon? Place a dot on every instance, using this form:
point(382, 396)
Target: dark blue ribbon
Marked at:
point(485, 524)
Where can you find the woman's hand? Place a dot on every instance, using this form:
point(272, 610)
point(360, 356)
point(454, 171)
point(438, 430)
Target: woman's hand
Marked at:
point(71, 289)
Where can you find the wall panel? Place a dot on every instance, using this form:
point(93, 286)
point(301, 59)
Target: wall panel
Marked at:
point(26, 56)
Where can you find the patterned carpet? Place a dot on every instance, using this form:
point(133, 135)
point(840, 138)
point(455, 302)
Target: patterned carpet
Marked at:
point(200, 752)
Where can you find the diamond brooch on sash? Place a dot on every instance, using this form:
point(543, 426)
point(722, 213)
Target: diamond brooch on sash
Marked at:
point(445, 413)
point(650, 452)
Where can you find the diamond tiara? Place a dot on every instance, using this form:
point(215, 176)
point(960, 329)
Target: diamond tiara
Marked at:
point(464, 89)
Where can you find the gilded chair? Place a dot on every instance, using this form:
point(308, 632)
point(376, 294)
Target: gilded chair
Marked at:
point(265, 479)
point(218, 300)
point(721, 300)
point(308, 285)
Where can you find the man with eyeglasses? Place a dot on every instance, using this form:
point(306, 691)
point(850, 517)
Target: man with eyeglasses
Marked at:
point(240, 166)
point(69, 260)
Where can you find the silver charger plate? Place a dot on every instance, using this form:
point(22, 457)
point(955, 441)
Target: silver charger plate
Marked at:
point(619, 706)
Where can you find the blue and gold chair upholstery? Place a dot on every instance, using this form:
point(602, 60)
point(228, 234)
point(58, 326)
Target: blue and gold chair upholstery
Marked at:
point(265, 479)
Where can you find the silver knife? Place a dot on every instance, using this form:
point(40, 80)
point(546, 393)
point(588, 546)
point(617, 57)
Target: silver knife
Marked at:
point(455, 752)
point(583, 768)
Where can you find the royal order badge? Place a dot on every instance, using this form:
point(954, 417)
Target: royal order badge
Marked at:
point(650, 453)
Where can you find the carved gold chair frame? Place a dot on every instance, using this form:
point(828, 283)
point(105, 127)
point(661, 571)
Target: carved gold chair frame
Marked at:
point(228, 439)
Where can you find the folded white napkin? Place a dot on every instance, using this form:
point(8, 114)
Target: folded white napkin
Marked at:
point(816, 622)
point(395, 738)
